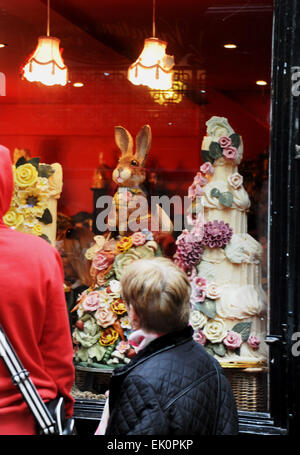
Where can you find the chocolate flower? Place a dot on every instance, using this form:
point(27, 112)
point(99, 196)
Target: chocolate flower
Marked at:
point(216, 234)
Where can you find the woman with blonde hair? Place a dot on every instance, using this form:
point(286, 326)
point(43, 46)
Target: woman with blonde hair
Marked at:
point(172, 386)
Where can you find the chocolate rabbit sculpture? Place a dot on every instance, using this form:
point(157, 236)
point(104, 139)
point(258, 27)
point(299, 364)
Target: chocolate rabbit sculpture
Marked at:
point(132, 209)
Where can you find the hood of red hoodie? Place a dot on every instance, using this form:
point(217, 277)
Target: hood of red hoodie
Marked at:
point(6, 181)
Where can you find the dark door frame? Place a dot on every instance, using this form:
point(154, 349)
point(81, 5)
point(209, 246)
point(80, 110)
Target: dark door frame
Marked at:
point(284, 217)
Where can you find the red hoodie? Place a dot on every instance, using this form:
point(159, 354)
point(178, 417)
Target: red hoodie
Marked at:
point(33, 314)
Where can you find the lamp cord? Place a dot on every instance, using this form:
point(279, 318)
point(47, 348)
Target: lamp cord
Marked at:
point(48, 17)
point(153, 20)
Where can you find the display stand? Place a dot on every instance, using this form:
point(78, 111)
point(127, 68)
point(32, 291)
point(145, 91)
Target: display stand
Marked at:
point(91, 384)
point(94, 380)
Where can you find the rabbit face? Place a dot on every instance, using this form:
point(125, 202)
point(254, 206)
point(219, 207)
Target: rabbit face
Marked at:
point(130, 170)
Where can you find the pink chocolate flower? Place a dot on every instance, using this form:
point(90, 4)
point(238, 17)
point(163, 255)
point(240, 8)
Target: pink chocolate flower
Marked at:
point(225, 141)
point(207, 168)
point(194, 191)
point(91, 301)
point(105, 317)
point(200, 179)
point(101, 261)
point(233, 340)
point(138, 238)
point(123, 346)
point(230, 153)
point(198, 293)
point(253, 342)
point(200, 337)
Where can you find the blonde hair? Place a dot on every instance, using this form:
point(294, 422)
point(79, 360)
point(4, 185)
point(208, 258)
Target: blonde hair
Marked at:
point(159, 292)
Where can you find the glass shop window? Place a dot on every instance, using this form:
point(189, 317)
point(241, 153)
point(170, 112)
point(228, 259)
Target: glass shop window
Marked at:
point(207, 140)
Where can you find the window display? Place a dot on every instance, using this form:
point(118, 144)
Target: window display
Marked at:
point(100, 139)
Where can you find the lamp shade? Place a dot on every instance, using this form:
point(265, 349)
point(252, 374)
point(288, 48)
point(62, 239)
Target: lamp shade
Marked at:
point(46, 64)
point(153, 68)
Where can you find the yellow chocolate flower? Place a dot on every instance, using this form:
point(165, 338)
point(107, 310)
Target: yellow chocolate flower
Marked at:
point(124, 244)
point(108, 337)
point(32, 201)
point(13, 218)
point(25, 175)
point(118, 306)
point(37, 229)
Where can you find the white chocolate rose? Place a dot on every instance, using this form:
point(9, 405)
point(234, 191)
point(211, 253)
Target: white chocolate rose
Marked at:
point(197, 319)
point(212, 291)
point(215, 330)
point(235, 180)
point(114, 289)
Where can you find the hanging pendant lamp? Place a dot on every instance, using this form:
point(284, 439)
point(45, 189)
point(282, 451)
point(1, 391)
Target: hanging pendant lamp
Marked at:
point(46, 65)
point(153, 68)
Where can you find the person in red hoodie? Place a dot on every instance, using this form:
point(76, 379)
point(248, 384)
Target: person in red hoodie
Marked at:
point(34, 316)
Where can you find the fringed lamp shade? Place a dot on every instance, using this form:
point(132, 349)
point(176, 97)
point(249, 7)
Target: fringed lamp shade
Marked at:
point(46, 64)
point(153, 68)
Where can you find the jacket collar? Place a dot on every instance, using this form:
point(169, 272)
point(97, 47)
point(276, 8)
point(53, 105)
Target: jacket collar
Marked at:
point(160, 344)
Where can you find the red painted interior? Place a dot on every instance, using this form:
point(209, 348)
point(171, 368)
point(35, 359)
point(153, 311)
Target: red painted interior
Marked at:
point(72, 126)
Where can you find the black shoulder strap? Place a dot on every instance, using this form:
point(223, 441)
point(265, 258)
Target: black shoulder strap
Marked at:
point(21, 379)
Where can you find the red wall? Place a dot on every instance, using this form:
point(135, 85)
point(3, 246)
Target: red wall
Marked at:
point(74, 134)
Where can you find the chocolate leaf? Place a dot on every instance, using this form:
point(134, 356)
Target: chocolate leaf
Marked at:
point(219, 349)
point(206, 157)
point(208, 307)
point(243, 328)
point(45, 170)
point(209, 349)
point(215, 150)
point(215, 192)
point(46, 218)
point(35, 162)
point(226, 199)
point(21, 161)
point(235, 140)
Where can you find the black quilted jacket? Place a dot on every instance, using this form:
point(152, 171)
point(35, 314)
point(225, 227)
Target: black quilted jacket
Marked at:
point(171, 387)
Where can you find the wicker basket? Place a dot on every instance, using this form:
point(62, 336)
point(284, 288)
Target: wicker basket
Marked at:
point(249, 386)
point(92, 379)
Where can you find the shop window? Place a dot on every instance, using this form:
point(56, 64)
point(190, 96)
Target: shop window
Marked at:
point(222, 68)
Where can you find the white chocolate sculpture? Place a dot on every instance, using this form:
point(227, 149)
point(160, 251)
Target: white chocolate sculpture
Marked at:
point(229, 305)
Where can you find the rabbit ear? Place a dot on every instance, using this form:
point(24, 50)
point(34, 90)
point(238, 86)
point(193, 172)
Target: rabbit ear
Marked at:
point(123, 139)
point(143, 143)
